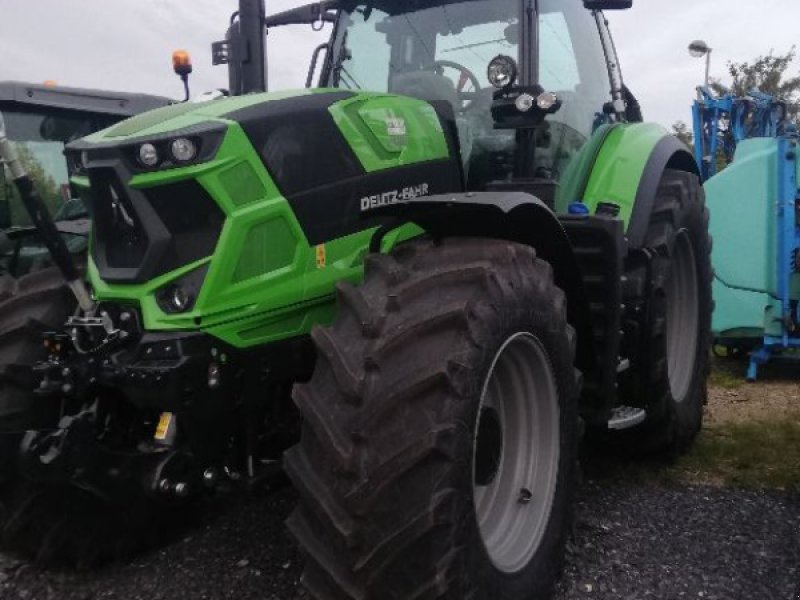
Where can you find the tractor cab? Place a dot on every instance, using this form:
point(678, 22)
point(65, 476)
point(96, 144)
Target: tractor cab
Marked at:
point(526, 87)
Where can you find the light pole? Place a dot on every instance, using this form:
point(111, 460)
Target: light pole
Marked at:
point(698, 49)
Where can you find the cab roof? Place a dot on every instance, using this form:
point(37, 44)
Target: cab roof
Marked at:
point(19, 94)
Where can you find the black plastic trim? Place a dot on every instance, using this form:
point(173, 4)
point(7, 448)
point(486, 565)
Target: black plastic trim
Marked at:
point(669, 151)
point(208, 135)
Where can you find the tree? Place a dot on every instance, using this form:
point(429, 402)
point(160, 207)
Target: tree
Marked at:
point(768, 73)
point(44, 183)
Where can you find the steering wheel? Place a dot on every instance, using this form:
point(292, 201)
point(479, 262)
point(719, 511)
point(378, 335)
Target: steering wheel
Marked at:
point(466, 76)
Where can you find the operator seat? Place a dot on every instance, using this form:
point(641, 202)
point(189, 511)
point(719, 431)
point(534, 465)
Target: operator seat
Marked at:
point(427, 86)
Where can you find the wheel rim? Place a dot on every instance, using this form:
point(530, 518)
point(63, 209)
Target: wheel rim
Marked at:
point(682, 317)
point(516, 452)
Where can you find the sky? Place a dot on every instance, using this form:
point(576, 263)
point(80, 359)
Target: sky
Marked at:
point(127, 44)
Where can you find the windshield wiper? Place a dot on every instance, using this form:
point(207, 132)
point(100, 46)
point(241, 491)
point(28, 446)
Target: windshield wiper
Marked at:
point(468, 46)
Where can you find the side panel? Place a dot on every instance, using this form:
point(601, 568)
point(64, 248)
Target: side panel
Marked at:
point(390, 131)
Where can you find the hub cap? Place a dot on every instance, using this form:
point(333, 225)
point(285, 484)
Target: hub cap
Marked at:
point(682, 317)
point(516, 452)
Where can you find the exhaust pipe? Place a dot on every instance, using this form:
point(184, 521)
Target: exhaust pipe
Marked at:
point(43, 221)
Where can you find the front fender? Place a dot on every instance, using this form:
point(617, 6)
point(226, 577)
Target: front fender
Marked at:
point(513, 216)
point(628, 169)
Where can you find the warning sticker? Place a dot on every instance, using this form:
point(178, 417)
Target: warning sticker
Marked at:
point(163, 426)
point(322, 260)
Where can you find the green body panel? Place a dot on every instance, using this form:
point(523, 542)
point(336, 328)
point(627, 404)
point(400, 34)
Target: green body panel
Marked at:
point(619, 166)
point(577, 174)
point(366, 124)
point(265, 282)
point(741, 200)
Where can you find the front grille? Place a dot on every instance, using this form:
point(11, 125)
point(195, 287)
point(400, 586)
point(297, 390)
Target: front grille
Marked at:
point(142, 234)
point(118, 230)
point(192, 218)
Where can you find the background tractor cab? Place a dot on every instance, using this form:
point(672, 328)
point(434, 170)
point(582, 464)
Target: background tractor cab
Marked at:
point(40, 120)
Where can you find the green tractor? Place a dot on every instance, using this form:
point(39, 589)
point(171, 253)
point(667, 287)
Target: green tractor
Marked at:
point(414, 287)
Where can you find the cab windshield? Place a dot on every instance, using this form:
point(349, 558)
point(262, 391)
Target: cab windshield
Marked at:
point(442, 50)
point(39, 139)
point(436, 53)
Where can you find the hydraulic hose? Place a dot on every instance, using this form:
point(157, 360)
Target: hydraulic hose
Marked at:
point(42, 220)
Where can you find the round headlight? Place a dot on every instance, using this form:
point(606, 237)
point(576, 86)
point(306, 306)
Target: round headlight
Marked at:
point(148, 155)
point(546, 101)
point(183, 149)
point(524, 102)
point(502, 71)
point(179, 299)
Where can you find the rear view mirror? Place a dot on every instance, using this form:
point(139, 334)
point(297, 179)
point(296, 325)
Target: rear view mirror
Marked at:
point(607, 4)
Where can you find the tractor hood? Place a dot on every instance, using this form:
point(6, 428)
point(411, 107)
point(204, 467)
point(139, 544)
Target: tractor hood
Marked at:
point(228, 202)
point(179, 116)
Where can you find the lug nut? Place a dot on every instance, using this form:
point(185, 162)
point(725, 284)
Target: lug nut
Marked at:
point(181, 489)
point(164, 486)
point(210, 477)
point(214, 376)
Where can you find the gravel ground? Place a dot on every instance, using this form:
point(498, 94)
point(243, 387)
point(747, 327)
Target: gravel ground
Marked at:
point(632, 541)
point(634, 538)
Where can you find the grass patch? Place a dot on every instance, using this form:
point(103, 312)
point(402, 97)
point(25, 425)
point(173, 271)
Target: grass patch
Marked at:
point(758, 454)
point(724, 377)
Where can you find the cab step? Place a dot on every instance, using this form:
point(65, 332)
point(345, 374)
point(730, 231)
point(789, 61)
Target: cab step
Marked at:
point(625, 417)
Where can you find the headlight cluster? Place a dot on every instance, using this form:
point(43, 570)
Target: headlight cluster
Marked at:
point(180, 295)
point(547, 102)
point(179, 151)
point(187, 146)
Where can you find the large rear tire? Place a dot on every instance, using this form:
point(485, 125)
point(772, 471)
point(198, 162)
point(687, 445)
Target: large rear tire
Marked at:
point(438, 453)
point(29, 306)
point(671, 364)
point(63, 525)
point(52, 523)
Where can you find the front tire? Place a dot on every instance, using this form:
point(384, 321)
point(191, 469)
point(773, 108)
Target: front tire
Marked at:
point(438, 453)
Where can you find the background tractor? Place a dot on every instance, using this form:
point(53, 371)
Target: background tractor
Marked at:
point(39, 121)
point(421, 279)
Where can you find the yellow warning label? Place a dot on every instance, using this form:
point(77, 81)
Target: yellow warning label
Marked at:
point(163, 426)
point(322, 260)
